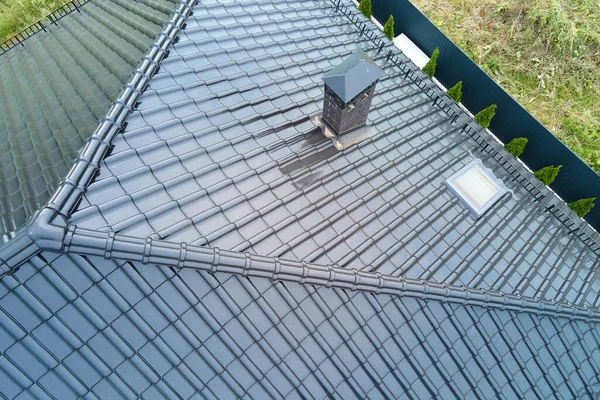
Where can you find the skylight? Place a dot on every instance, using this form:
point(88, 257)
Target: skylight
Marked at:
point(477, 187)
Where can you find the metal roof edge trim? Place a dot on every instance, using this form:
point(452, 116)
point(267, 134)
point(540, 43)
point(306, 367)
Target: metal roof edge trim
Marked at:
point(111, 245)
point(549, 200)
point(47, 228)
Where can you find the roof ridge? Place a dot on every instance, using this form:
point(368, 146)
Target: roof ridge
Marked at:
point(32, 239)
point(111, 245)
point(69, 191)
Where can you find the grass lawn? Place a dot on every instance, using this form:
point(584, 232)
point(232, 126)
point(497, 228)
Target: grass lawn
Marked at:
point(545, 53)
point(16, 15)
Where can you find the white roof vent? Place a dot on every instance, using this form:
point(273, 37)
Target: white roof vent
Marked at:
point(477, 187)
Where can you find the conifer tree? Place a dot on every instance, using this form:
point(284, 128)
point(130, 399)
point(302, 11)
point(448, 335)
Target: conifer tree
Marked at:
point(484, 117)
point(547, 174)
point(516, 146)
point(388, 28)
point(429, 68)
point(583, 206)
point(455, 92)
point(365, 8)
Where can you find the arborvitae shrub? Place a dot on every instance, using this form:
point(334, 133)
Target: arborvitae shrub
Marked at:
point(583, 206)
point(516, 146)
point(484, 117)
point(547, 174)
point(388, 28)
point(429, 68)
point(455, 92)
point(365, 8)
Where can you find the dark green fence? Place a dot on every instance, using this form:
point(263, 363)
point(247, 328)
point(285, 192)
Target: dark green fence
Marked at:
point(575, 181)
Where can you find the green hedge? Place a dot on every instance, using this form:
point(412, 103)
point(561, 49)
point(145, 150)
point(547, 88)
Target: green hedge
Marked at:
point(484, 117)
point(547, 174)
point(583, 206)
point(388, 28)
point(455, 92)
point(429, 68)
point(366, 8)
point(516, 146)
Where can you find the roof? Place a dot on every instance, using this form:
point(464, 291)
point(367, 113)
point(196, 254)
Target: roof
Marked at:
point(86, 326)
point(222, 153)
point(56, 87)
point(226, 249)
point(352, 76)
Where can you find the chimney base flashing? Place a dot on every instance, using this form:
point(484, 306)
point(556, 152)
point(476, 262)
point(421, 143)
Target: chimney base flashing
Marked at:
point(346, 139)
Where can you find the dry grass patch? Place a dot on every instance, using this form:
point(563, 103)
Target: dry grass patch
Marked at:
point(16, 15)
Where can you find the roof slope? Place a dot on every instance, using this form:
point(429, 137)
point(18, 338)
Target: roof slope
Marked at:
point(76, 326)
point(222, 153)
point(57, 87)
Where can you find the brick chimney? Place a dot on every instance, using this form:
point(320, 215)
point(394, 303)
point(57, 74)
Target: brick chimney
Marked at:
point(349, 89)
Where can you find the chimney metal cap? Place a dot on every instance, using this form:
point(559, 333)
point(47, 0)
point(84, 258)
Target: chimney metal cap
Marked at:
point(355, 74)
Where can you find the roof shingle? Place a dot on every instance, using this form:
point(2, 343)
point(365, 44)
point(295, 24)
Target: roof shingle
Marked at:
point(129, 330)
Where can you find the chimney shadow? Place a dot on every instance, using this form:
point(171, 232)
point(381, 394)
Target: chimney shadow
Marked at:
point(308, 160)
